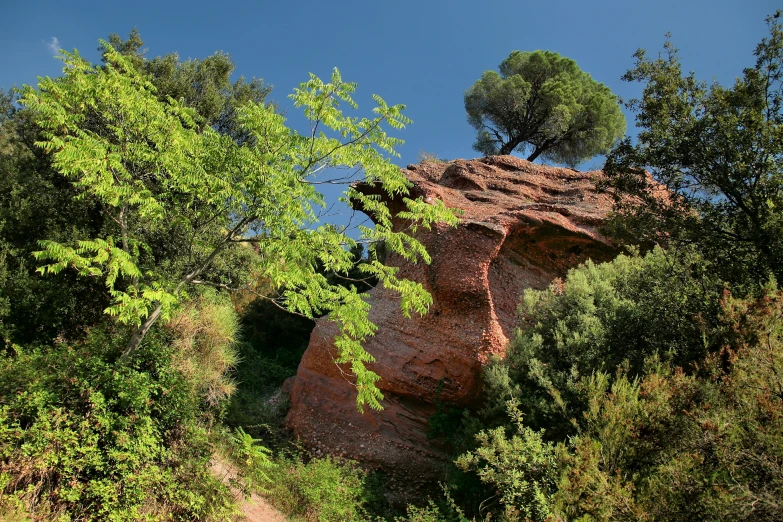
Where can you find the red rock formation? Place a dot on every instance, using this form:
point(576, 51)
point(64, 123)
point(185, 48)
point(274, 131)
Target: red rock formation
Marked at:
point(522, 226)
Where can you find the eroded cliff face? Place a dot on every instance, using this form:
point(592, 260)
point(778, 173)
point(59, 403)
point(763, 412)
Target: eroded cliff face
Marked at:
point(522, 226)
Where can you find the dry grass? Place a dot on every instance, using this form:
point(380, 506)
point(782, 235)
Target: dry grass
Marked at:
point(204, 337)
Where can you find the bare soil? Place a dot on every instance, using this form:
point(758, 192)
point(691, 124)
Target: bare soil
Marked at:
point(255, 508)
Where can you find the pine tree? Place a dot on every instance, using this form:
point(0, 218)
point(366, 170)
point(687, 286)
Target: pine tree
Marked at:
point(543, 102)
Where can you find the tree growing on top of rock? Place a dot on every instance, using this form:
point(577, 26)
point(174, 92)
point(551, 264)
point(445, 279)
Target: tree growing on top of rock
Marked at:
point(543, 103)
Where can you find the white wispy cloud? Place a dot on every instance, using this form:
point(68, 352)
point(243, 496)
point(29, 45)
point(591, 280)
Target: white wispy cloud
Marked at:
point(53, 45)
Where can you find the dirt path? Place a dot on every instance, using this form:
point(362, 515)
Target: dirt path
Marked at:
point(255, 508)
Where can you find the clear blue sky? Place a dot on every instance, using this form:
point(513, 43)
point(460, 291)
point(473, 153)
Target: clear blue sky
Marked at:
point(421, 53)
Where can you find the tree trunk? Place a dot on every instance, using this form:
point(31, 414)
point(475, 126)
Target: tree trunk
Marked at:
point(139, 334)
point(536, 153)
point(548, 144)
point(509, 147)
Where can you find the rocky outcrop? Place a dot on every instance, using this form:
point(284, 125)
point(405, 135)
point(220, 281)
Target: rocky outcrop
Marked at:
point(522, 225)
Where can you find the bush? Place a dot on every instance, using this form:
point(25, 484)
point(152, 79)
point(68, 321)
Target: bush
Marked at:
point(445, 511)
point(322, 490)
point(646, 440)
point(523, 469)
point(601, 318)
point(84, 438)
point(673, 446)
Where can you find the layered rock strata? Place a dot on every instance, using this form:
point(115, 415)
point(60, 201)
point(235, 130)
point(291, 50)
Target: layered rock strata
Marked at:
point(522, 225)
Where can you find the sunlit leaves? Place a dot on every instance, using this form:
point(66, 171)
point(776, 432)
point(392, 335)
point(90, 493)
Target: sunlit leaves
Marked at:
point(149, 163)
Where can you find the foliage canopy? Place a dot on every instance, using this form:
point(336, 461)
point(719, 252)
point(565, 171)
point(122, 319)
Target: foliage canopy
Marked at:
point(543, 101)
point(151, 163)
point(37, 201)
point(719, 151)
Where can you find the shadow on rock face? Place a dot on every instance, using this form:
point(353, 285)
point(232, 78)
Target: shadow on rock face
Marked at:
point(523, 225)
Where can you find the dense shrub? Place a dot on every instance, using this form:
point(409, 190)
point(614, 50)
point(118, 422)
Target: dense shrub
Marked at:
point(321, 490)
point(446, 510)
point(83, 438)
point(680, 435)
point(522, 468)
point(600, 318)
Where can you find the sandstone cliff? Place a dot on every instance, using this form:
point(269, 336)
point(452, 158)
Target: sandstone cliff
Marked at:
point(522, 226)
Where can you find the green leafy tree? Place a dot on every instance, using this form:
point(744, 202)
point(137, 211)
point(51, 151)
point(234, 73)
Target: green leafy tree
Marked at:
point(37, 201)
point(154, 164)
point(204, 84)
point(6, 105)
point(718, 150)
point(543, 102)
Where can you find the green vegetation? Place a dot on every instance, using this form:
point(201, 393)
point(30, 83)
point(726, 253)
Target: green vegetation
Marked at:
point(699, 442)
point(152, 163)
point(119, 348)
point(718, 150)
point(601, 318)
point(321, 490)
point(203, 84)
point(642, 389)
point(85, 439)
point(38, 202)
point(270, 348)
point(162, 263)
point(543, 101)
